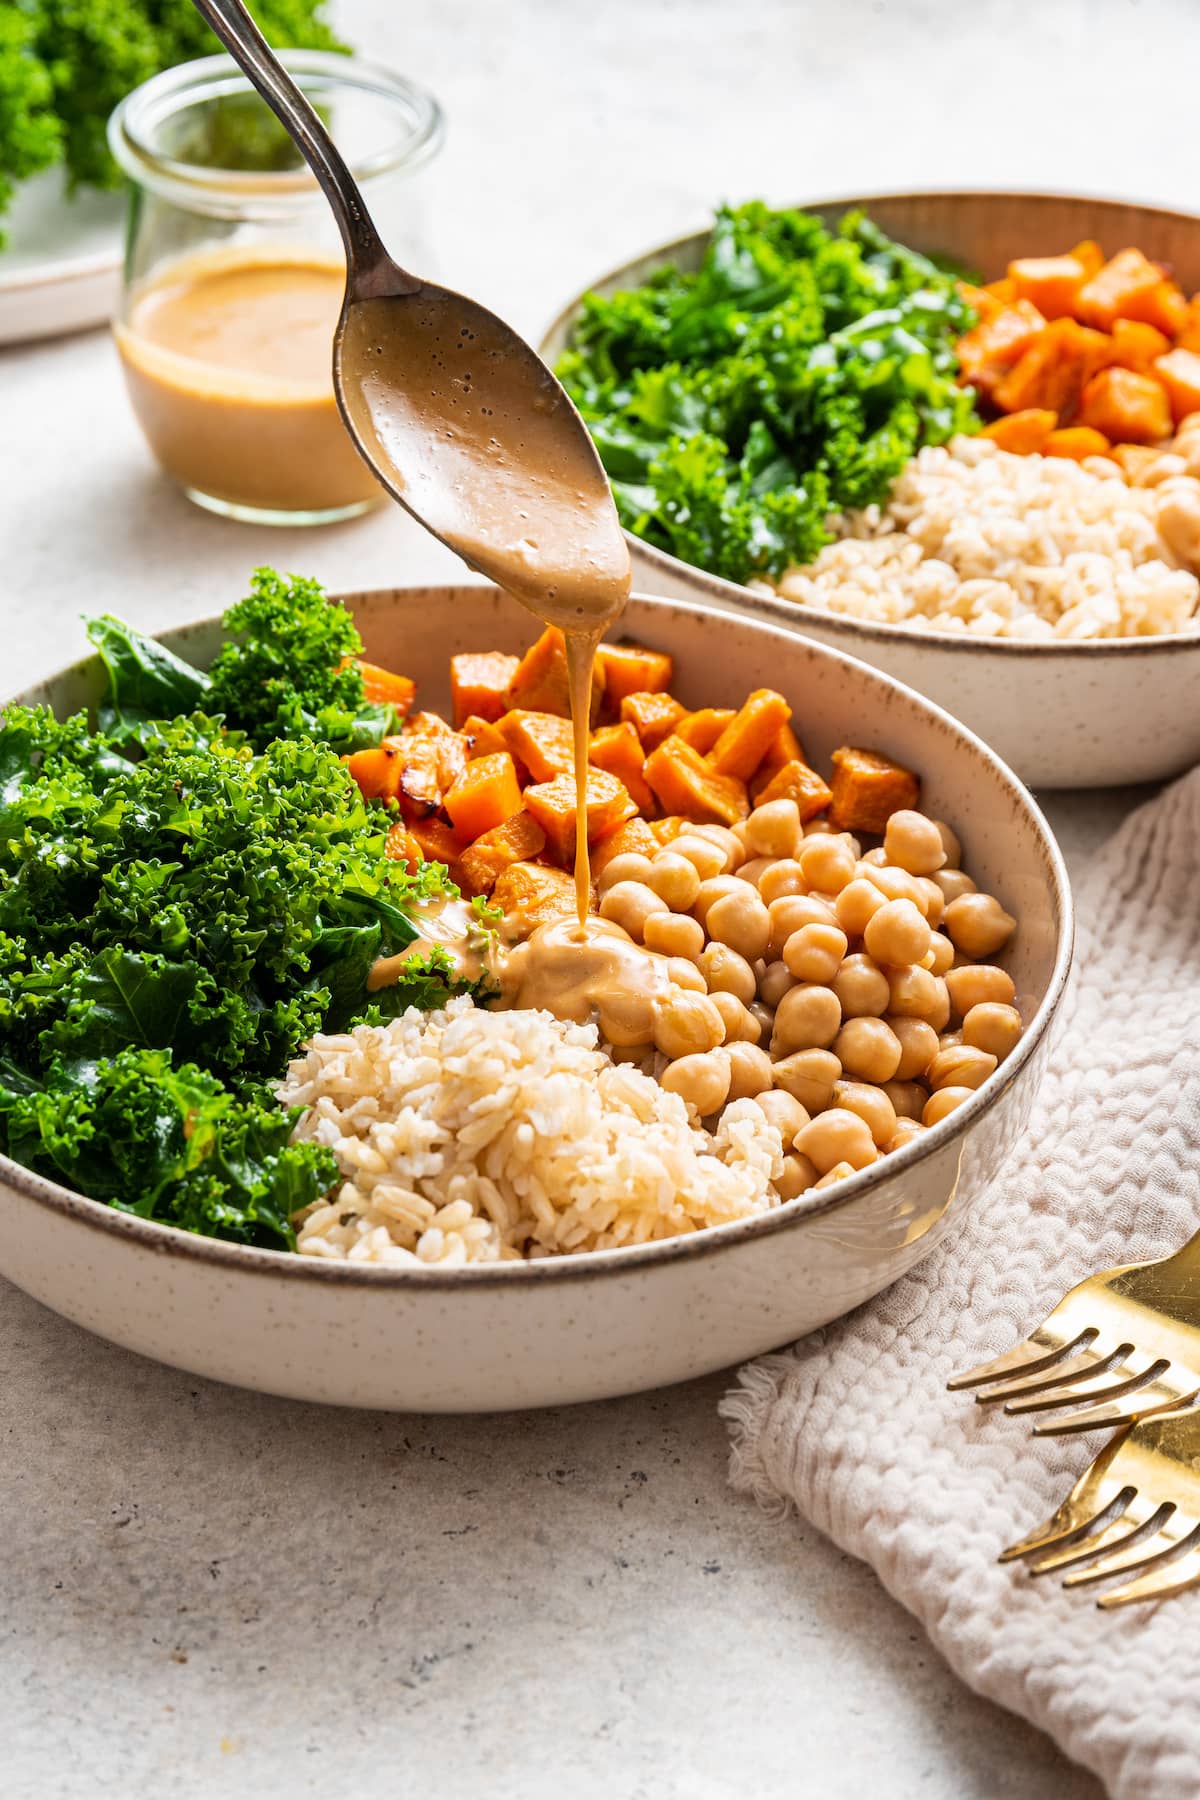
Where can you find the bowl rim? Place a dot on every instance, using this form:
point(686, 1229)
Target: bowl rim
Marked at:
point(169, 1240)
point(841, 624)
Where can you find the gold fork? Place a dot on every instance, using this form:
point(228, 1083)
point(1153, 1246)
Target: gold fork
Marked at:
point(1121, 1345)
point(1148, 1480)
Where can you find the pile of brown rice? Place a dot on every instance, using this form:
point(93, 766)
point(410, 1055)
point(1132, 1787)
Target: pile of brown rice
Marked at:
point(471, 1136)
point(976, 540)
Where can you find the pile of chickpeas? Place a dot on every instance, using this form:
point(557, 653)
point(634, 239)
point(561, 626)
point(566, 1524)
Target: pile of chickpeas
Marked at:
point(847, 993)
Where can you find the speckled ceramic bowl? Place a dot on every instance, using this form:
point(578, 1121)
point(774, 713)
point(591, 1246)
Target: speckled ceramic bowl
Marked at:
point(1063, 715)
point(542, 1333)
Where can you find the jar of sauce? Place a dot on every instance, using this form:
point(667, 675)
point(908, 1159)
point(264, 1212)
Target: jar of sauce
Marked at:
point(234, 276)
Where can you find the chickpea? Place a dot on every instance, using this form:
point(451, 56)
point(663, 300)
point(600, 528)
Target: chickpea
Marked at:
point(764, 1017)
point(931, 900)
point(791, 913)
point(627, 867)
point(914, 842)
point(857, 903)
point(701, 1081)
point(753, 871)
point(775, 983)
point(784, 1112)
point(950, 1040)
point(950, 845)
point(688, 1024)
point(750, 1071)
point(774, 829)
point(993, 1028)
point(723, 838)
point(892, 883)
point(673, 934)
point(685, 974)
point(704, 857)
point(783, 877)
point(796, 1177)
point(906, 1130)
point(819, 828)
point(629, 904)
point(839, 1172)
point(815, 952)
point(808, 1076)
point(727, 973)
point(674, 879)
point(627, 1020)
point(874, 859)
point(907, 1097)
point(961, 1067)
point(918, 1045)
point(944, 1101)
point(739, 832)
point(871, 1104)
point(914, 992)
point(852, 844)
point(837, 1137)
point(954, 883)
point(976, 983)
point(978, 925)
point(807, 1018)
point(740, 1024)
point(742, 922)
point(939, 1018)
point(868, 1050)
point(828, 865)
point(861, 987)
point(897, 933)
point(939, 958)
point(712, 890)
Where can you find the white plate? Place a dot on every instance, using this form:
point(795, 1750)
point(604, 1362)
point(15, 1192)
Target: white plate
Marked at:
point(61, 267)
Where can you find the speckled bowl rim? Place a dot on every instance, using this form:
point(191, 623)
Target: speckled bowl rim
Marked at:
point(738, 596)
point(169, 1240)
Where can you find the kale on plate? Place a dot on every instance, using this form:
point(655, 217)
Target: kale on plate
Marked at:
point(792, 375)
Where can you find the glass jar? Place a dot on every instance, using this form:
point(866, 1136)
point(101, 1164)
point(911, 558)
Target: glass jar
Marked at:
point(234, 274)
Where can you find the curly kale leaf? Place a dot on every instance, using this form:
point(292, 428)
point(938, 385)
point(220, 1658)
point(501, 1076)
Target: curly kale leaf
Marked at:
point(30, 134)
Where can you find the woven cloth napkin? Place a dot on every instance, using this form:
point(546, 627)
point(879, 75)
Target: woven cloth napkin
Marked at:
point(854, 1425)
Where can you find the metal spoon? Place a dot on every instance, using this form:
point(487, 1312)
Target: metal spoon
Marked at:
point(460, 420)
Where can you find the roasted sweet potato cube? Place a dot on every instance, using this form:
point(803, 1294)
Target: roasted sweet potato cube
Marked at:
point(633, 669)
point(685, 782)
point(796, 781)
point(986, 304)
point(541, 742)
point(702, 729)
point(479, 680)
point(540, 684)
point(1179, 372)
point(1188, 335)
point(378, 770)
point(531, 893)
point(667, 829)
point(995, 344)
point(519, 839)
point(618, 748)
point(1051, 283)
point(1075, 443)
point(481, 737)
point(552, 804)
point(653, 716)
point(634, 837)
point(433, 758)
point(749, 734)
point(1127, 407)
point(1135, 346)
point(485, 794)
point(438, 843)
point(1022, 433)
point(382, 688)
point(401, 846)
point(1130, 286)
point(1001, 290)
point(785, 748)
point(1089, 253)
point(868, 788)
point(1053, 372)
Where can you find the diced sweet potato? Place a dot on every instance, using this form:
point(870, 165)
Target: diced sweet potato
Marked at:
point(1130, 286)
point(1001, 290)
point(796, 781)
point(632, 669)
point(552, 804)
point(1090, 255)
point(1135, 346)
point(685, 782)
point(995, 344)
point(540, 684)
point(481, 737)
point(541, 742)
point(485, 794)
point(1051, 283)
point(433, 758)
point(479, 681)
point(382, 688)
point(438, 843)
point(1188, 335)
point(1022, 433)
point(401, 846)
point(378, 770)
point(531, 893)
point(1127, 407)
point(702, 729)
point(868, 788)
point(618, 748)
point(653, 716)
point(785, 748)
point(986, 304)
point(666, 830)
point(519, 839)
point(749, 734)
point(1053, 372)
point(635, 836)
point(1075, 443)
point(1179, 372)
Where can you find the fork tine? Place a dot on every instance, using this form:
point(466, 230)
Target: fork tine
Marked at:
point(1060, 1374)
point(1171, 1535)
point(1072, 1395)
point(1159, 1584)
point(1023, 1359)
point(1142, 1403)
point(1077, 1513)
point(1132, 1520)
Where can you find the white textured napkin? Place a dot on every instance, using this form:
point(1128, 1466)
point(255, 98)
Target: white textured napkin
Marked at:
point(855, 1427)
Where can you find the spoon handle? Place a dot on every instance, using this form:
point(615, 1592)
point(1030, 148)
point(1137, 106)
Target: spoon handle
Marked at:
point(371, 270)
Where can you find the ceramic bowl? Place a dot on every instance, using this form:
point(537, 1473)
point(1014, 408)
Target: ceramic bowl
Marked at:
point(543, 1333)
point(1064, 714)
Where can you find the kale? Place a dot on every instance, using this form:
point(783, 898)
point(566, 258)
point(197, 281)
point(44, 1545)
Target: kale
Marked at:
point(792, 375)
